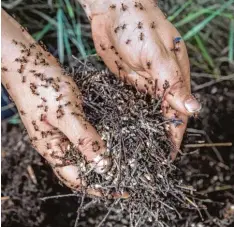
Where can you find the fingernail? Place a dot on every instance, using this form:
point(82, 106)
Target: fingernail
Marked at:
point(192, 105)
point(102, 164)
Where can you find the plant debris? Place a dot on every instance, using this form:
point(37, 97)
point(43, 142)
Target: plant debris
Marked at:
point(132, 126)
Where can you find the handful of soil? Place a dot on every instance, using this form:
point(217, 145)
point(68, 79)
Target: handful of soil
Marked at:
point(132, 126)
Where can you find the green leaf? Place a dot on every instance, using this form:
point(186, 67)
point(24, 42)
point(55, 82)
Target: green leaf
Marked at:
point(193, 16)
point(44, 16)
point(231, 42)
point(39, 35)
point(15, 120)
point(204, 51)
point(202, 24)
point(69, 9)
point(67, 44)
point(60, 33)
point(179, 10)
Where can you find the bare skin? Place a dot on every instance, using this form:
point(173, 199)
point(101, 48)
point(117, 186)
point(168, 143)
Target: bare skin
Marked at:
point(49, 102)
point(138, 44)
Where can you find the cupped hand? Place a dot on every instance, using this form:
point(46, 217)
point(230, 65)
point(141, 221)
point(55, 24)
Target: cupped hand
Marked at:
point(49, 104)
point(142, 47)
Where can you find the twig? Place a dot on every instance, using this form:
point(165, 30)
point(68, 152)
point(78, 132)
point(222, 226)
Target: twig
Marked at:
point(208, 145)
point(107, 214)
point(210, 83)
point(31, 174)
point(217, 188)
point(58, 196)
point(4, 198)
point(79, 209)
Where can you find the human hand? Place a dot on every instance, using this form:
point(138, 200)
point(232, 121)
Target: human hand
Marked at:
point(49, 104)
point(139, 45)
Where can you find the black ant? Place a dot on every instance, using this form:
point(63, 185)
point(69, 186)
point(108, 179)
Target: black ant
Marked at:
point(4, 69)
point(102, 47)
point(55, 86)
point(23, 79)
point(113, 6)
point(153, 25)
point(59, 97)
point(22, 112)
point(128, 41)
point(48, 146)
point(140, 25)
point(117, 29)
point(14, 41)
point(124, 7)
point(42, 117)
point(141, 36)
point(32, 45)
point(148, 64)
point(46, 108)
point(124, 26)
point(43, 99)
point(96, 146)
point(67, 104)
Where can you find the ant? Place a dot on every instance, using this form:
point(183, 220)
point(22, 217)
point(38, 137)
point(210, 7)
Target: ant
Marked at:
point(124, 7)
point(153, 25)
point(48, 146)
point(7, 86)
point(140, 25)
point(170, 93)
point(43, 99)
point(56, 87)
point(46, 108)
point(33, 139)
point(14, 41)
point(22, 112)
point(117, 29)
point(102, 47)
point(128, 41)
point(175, 49)
point(96, 147)
point(113, 6)
point(32, 45)
point(148, 64)
point(32, 71)
point(68, 103)
point(22, 45)
point(141, 36)
point(166, 85)
point(23, 79)
point(59, 97)
point(124, 26)
point(4, 69)
point(42, 117)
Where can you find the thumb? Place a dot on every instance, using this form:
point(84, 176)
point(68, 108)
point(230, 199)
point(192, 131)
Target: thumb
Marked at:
point(180, 98)
point(176, 86)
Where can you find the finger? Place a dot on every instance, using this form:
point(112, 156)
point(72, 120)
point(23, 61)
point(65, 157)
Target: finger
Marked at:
point(177, 93)
point(80, 132)
point(176, 48)
point(177, 127)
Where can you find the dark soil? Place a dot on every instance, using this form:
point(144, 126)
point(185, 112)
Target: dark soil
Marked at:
point(207, 170)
